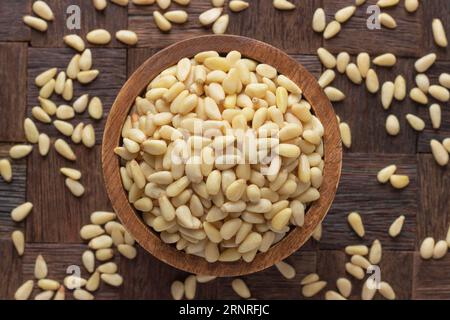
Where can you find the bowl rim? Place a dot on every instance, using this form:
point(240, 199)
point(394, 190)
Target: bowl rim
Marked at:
point(260, 52)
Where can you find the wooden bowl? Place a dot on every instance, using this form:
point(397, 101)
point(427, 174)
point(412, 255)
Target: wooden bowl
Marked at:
point(136, 85)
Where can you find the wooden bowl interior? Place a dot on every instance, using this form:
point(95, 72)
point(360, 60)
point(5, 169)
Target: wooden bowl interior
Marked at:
point(136, 85)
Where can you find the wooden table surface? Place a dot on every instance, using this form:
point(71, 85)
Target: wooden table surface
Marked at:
point(52, 228)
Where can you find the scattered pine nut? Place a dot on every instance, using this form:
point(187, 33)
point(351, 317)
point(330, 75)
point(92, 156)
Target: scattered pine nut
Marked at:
point(75, 187)
point(355, 221)
point(344, 286)
point(422, 82)
point(354, 270)
point(424, 63)
point(311, 289)
point(73, 67)
point(331, 30)
point(85, 62)
point(334, 94)
point(238, 5)
point(68, 90)
point(362, 250)
point(31, 131)
point(176, 16)
point(177, 290)
point(363, 63)
point(100, 5)
point(344, 14)
point(95, 108)
point(286, 269)
point(60, 294)
point(446, 144)
point(385, 60)
point(241, 289)
point(387, 3)
point(71, 173)
point(88, 136)
point(20, 151)
point(102, 217)
point(353, 73)
point(317, 234)
point(326, 78)
point(24, 291)
point(93, 282)
point(204, 279)
point(48, 284)
point(387, 21)
point(368, 290)
point(411, 5)
point(333, 295)
point(319, 21)
point(63, 127)
point(45, 77)
point(99, 37)
point(327, 59)
point(19, 213)
point(190, 287)
point(64, 150)
point(372, 82)
point(439, 153)
point(444, 80)
point(41, 9)
point(396, 226)
point(43, 144)
point(439, 93)
point(375, 252)
point(221, 24)
point(77, 132)
point(18, 240)
point(182, 2)
point(427, 248)
point(128, 37)
point(359, 2)
point(40, 268)
point(6, 170)
point(386, 290)
point(385, 174)
point(81, 294)
point(346, 134)
point(400, 88)
point(114, 280)
point(342, 61)
point(399, 181)
point(360, 261)
point(435, 115)
point(310, 278)
point(283, 5)
point(392, 125)
point(88, 259)
point(210, 16)
point(74, 41)
point(48, 89)
point(40, 115)
point(85, 77)
point(163, 4)
point(418, 96)
point(440, 249)
point(440, 38)
point(35, 23)
point(81, 103)
point(415, 122)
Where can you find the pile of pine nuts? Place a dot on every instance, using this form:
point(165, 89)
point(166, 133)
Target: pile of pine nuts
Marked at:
point(222, 156)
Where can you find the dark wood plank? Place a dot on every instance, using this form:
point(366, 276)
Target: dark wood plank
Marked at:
point(431, 280)
point(433, 216)
point(137, 56)
point(310, 62)
point(397, 269)
point(113, 18)
point(11, 26)
point(330, 267)
point(11, 194)
point(13, 70)
point(10, 269)
point(57, 215)
point(378, 204)
point(293, 35)
point(355, 36)
point(112, 66)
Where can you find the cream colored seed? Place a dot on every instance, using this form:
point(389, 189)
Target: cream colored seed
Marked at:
point(80, 294)
point(48, 284)
point(310, 278)
point(65, 112)
point(190, 287)
point(93, 282)
point(439, 33)
point(400, 88)
point(369, 289)
point(114, 280)
point(24, 291)
point(68, 90)
point(396, 227)
point(99, 37)
point(127, 36)
point(363, 63)
point(127, 251)
point(88, 259)
point(440, 249)
point(327, 59)
point(35, 23)
point(422, 82)
point(372, 82)
point(385, 174)
point(444, 80)
point(385, 60)
point(40, 268)
point(424, 63)
point(60, 294)
point(439, 93)
point(41, 9)
point(286, 269)
point(387, 21)
point(81, 103)
point(319, 21)
point(375, 252)
point(359, 2)
point(399, 181)
point(354, 270)
point(221, 24)
point(86, 77)
point(177, 290)
point(176, 16)
point(241, 288)
point(333, 295)
point(334, 94)
point(435, 115)
point(331, 30)
point(344, 14)
point(100, 5)
point(346, 134)
point(386, 290)
point(43, 144)
point(387, 3)
point(210, 16)
point(75, 187)
point(439, 153)
point(418, 96)
point(18, 240)
point(283, 5)
point(355, 221)
point(88, 136)
point(427, 248)
point(60, 82)
point(238, 5)
point(204, 278)
point(47, 90)
point(73, 67)
point(415, 122)
point(446, 144)
point(342, 61)
point(392, 125)
point(362, 250)
point(85, 62)
point(6, 170)
point(31, 131)
point(411, 5)
point(19, 213)
point(353, 73)
point(63, 148)
point(77, 131)
point(90, 231)
point(344, 286)
point(45, 77)
point(312, 289)
point(95, 108)
point(40, 115)
point(75, 41)
point(20, 151)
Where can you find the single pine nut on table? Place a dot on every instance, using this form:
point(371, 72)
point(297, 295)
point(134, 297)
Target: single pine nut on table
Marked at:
point(196, 150)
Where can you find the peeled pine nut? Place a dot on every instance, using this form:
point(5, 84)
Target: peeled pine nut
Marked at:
point(177, 290)
point(424, 63)
point(40, 115)
point(375, 252)
point(439, 93)
point(241, 288)
point(319, 21)
point(362, 250)
point(353, 73)
point(93, 282)
point(41, 9)
point(176, 16)
point(334, 94)
point(392, 125)
point(310, 278)
point(396, 226)
point(411, 5)
point(423, 83)
point(77, 131)
point(283, 5)
point(439, 153)
point(36, 23)
point(363, 63)
point(60, 82)
point(346, 134)
point(99, 37)
point(85, 77)
point(344, 14)
point(387, 3)
point(387, 21)
point(385, 174)
point(73, 67)
point(344, 286)
point(354, 270)
point(75, 187)
point(127, 251)
point(31, 131)
point(45, 77)
point(24, 291)
point(399, 181)
point(418, 96)
point(47, 90)
point(331, 30)
point(360, 261)
point(285, 269)
point(43, 144)
point(400, 88)
point(333, 295)
point(20, 151)
point(210, 16)
point(444, 80)
point(317, 234)
point(435, 115)
point(95, 108)
point(221, 24)
point(88, 259)
point(64, 150)
point(102, 217)
point(238, 5)
point(385, 60)
point(126, 36)
point(342, 61)
point(326, 78)
point(100, 5)
point(368, 289)
point(372, 82)
point(68, 90)
point(161, 22)
point(18, 240)
point(311, 289)
point(21, 212)
point(439, 33)
point(40, 268)
point(74, 41)
point(90, 231)
point(122, 3)
point(359, 2)
point(81, 103)
point(81, 294)
point(6, 170)
point(440, 249)
point(114, 280)
point(415, 122)
point(190, 287)
point(48, 284)
point(355, 221)
point(48, 106)
point(427, 248)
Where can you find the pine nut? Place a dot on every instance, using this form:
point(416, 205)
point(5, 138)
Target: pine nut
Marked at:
point(36, 23)
point(24, 291)
point(435, 115)
point(88, 259)
point(360, 261)
point(387, 3)
point(396, 227)
point(210, 16)
point(45, 77)
point(346, 135)
point(18, 240)
point(333, 295)
point(418, 96)
point(310, 278)
point(283, 5)
point(385, 174)
point(286, 269)
point(238, 5)
point(40, 268)
point(362, 250)
point(372, 82)
point(80, 294)
point(190, 287)
point(439, 153)
point(375, 252)
point(392, 125)
point(75, 41)
point(241, 288)
point(75, 187)
point(319, 21)
point(331, 30)
point(19, 213)
point(20, 151)
point(385, 60)
point(387, 21)
point(386, 290)
point(177, 290)
point(344, 286)
point(99, 37)
point(128, 37)
point(88, 136)
point(95, 108)
point(64, 150)
point(48, 284)
point(176, 16)
point(422, 82)
point(114, 280)
point(100, 5)
point(415, 122)
point(334, 94)
point(424, 63)
point(400, 88)
point(411, 5)
point(369, 289)
point(31, 131)
point(41, 9)
point(344, 14)
point(439, 93)
point(40, 115)
point(310, 290)
point(399, 181)
point(440, 249)
point(353, 73)
point(47, 90)
point(60, 82)
point(342, 61)
point(444, 80)
point(221, 24)
point(85, 77)
point(6, 170)
point(439, 33)
point(427, 248)
point(354, 270)
point(93, 282)
point(355, 221)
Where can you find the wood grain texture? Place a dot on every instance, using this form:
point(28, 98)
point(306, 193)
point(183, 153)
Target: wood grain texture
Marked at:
point(439, 9)
point(355, 36)
point(58, 215)
point(90, 19)
point(11, 26)
point(431, 279)
point(378, 204)
point(13, 70)
point(260, 52)
point(10, 269)
point(112, 66)
point(12, 194)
